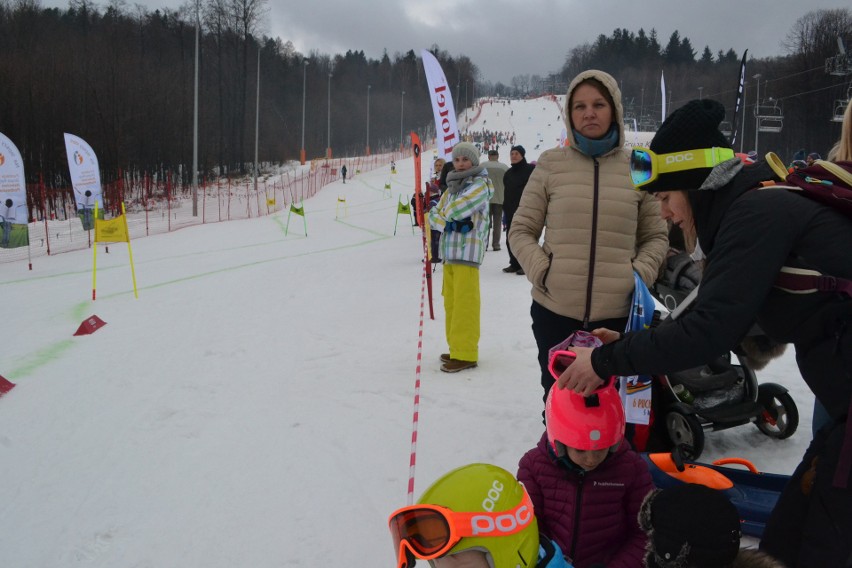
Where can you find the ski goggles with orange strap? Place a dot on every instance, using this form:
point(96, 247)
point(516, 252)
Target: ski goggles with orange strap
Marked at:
point(430, 531)
point(646, 166)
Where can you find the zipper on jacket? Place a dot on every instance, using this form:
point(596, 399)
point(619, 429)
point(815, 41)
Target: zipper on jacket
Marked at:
point(578, 505)
point(593, 247)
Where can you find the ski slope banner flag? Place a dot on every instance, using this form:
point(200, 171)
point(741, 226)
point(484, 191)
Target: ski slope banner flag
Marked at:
point(13, 197)
point(663, 92)
point(739, 103)
point(85, 177)
point(442, 105)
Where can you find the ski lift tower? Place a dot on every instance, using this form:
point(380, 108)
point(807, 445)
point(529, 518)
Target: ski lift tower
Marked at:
point(840, 65)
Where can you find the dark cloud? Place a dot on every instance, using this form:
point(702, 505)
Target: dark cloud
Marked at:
point(509, 37)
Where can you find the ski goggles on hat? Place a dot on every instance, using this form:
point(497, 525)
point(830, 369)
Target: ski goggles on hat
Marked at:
point(646, 166)
point(559, 361)
point(430, 531)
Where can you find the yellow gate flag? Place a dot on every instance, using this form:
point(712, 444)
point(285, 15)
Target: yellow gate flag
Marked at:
point(112, 231)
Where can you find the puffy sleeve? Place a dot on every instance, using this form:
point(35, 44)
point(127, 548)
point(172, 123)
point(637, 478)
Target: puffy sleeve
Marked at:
point(652, 241)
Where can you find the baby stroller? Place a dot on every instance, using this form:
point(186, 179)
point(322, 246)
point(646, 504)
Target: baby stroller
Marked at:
point(722, 394)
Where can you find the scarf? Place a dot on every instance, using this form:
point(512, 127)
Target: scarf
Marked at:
point(455, 180)
point(594, 148)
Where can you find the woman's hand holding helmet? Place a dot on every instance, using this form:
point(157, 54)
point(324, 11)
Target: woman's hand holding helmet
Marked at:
point(580, 376)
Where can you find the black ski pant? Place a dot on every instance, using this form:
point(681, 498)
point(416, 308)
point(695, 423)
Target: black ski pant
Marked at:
point(513, 262)
point(550, 329)
point(811, 525)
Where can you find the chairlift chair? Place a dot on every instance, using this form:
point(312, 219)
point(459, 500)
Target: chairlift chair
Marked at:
point(840, 106)
point(648, 124)
point(770, 117)
point(725, 127)
point(839, 65)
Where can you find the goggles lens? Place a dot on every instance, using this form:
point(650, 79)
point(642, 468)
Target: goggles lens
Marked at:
point(559, 361)
point(425, 531)
point(640, 167)
point(430, 531)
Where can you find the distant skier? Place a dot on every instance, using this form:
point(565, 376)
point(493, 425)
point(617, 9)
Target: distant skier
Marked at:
point(343, 172)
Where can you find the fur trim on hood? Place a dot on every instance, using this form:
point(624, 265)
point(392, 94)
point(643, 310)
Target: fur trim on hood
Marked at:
point(760, 350)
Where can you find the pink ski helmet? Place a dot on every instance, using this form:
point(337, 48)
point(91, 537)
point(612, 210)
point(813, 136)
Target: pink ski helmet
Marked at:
point(595, 422)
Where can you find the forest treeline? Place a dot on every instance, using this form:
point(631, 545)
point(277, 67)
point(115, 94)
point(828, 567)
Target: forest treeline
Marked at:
point(804, 88)
point(123, 79)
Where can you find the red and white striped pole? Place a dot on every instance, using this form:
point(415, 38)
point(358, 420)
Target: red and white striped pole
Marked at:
point(413, 460)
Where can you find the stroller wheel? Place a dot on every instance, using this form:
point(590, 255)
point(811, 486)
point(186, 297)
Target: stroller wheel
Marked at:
point(780, 416)
point(685, 433)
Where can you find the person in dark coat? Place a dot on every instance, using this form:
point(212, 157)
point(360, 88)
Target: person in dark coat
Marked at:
point(747, 235)
point(694, 526)
point(442, 178)
point(514, 182)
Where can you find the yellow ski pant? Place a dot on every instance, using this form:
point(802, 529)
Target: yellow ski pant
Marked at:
point(461, 304)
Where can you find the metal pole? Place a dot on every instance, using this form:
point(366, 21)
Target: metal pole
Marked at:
point(699, 93)
point(401, 114)
point(304, 81)
point(757, 112)
point(368, 119)
point(257, 120)
point(742, 133)
point(195, 118)
point(328, 148)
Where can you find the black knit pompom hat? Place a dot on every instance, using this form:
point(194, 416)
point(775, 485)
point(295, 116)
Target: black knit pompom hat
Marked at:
point(693, 126)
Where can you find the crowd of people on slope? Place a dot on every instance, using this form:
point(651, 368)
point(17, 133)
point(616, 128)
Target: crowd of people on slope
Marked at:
point(583, 497)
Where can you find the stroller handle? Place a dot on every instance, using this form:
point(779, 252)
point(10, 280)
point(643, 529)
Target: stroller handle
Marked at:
point(737, 461)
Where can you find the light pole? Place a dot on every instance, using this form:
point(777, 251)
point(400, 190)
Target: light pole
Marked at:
point(328, 148)
point(699, 93)
point(304, 82)
point(401, 115)
point(195, 119)
point(368, 119)
point(257, 122)
point(756, 112)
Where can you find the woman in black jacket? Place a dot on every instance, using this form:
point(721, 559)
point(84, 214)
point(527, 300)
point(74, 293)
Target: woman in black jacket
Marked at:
point(514, 181)
point(747, 235)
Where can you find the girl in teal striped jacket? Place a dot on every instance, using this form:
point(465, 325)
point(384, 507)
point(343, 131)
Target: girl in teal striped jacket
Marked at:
point(461, 216)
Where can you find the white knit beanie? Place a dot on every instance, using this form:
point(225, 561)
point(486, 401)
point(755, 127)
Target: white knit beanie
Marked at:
point(467, 150)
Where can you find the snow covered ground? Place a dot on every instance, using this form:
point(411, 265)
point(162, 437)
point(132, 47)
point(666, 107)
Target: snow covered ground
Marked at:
point(254, 406)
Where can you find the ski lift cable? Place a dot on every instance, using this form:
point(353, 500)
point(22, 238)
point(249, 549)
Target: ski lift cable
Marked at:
point(710, 95)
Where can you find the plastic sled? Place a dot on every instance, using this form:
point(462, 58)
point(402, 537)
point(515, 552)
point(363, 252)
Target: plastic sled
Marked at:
point(752, 492)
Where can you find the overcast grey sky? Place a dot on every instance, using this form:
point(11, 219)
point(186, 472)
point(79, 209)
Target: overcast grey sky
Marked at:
point(505, 38)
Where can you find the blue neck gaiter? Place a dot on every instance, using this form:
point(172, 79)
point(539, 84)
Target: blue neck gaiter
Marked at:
point(595, 148)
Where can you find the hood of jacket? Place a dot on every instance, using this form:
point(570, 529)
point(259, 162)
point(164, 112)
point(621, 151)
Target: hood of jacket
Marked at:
point(611, 85)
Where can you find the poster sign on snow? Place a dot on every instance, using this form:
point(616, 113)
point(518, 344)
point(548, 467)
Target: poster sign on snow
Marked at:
point(13, 196)
point(85, 178)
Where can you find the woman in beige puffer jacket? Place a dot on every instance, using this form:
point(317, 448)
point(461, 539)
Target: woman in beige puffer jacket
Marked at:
point(597, 228)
